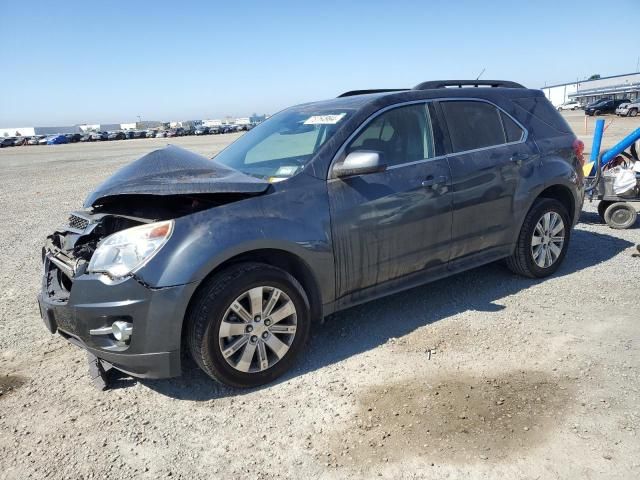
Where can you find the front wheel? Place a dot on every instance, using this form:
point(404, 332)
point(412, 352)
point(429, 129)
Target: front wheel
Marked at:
point(633, 112)
point(543, 240)
point(247, 324)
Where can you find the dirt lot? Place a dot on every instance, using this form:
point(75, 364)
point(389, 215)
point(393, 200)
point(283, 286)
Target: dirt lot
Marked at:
point(483, 375)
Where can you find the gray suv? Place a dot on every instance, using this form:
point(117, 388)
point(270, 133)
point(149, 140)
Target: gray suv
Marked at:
point(323, 206)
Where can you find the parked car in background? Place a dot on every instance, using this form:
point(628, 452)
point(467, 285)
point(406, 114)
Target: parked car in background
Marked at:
point(116, 136)
point(99, 136)
point(57, 139)
point(400, 188)
point(571, 105)
point(215, 130)
point(629, 109)
point(35, 139)
point(129, 134)
point(43, 140)
point(19, 141)
point(151, 133)
point(73, 137)
point(201, 131)
point(603, 106)
point(139, 134)
point(161, 134)
point(7, 141)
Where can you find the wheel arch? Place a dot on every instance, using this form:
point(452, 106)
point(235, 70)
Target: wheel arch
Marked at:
point(562, 194)
point(556, 191)
point(283, 259)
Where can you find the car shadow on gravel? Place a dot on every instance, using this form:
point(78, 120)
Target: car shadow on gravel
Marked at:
point(370, 325)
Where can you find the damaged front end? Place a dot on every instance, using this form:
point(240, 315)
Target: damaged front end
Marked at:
point(116, 318)
point(93, 291)
point(67, 252)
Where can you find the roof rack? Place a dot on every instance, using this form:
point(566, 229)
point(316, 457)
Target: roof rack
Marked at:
point(353, 93)
point(466, 83)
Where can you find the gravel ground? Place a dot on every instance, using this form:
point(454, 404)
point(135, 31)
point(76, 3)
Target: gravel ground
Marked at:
point(482, 375)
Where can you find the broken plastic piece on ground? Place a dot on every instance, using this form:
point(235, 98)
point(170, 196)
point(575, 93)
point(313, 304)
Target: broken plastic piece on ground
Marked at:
point(98, 371)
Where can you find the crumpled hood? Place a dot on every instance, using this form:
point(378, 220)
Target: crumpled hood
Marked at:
point(175, 171)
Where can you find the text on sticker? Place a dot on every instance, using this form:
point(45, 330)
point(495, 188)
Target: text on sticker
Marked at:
point(324, 119)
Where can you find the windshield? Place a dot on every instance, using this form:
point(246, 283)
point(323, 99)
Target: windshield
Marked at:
point(281, 146)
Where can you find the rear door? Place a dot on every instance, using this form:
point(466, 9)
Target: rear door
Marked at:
point(488, 151)
point(397, 222)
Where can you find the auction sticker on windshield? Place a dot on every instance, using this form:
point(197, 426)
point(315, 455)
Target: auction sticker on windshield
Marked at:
point(324, 119)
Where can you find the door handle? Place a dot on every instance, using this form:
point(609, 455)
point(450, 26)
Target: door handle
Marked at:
point(519, 157)
point(434, 182)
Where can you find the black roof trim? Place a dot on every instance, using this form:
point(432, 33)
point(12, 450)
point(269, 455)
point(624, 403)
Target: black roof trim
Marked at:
point(353, 93)
point(433, 84)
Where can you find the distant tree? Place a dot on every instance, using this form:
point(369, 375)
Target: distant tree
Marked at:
point(595, 76)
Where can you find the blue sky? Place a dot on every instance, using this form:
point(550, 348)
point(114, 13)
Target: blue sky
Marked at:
point(74, 62)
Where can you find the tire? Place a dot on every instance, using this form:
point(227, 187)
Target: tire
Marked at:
point(597, 113)
point(620, 215)
point(602, 207)
point(523, 262)
point(633, 112)
point(212, 304)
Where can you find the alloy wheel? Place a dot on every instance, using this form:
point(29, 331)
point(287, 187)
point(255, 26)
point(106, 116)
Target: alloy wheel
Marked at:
point(547, 240)
point(257, 329)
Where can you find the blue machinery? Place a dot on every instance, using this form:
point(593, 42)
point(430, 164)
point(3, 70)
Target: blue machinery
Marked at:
point(613, 152)
point(614, 210)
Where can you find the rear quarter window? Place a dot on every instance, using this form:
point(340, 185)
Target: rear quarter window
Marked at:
point(542, 109)
point(512, 130)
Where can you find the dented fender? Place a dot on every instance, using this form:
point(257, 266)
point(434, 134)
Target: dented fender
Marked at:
point(204, 240)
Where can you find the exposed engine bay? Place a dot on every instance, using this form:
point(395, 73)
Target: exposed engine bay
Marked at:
point(70, 248)
point(162, 185)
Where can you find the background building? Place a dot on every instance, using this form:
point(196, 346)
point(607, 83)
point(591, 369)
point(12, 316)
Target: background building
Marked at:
point(588, 91)
point(30, 131)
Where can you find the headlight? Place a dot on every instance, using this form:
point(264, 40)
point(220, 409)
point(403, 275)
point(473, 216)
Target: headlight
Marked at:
point(126, 251)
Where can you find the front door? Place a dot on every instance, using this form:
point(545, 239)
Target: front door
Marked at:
point(393, 223)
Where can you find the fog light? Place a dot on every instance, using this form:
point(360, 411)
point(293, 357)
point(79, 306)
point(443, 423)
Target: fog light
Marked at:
point(121, 330)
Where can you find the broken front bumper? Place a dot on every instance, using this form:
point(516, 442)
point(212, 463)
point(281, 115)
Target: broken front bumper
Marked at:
point(74, 307)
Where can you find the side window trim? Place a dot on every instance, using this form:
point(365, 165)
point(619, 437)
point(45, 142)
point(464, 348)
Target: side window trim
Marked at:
point(340, 153)
point(523, 138)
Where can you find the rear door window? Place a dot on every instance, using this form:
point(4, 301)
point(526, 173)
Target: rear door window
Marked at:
point(473, 125)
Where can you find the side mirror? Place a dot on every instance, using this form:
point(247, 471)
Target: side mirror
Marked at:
point(359, 163)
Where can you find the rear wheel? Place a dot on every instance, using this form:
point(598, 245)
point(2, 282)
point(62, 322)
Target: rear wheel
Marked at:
point(597, 113)
point(620, 215)
point(602, 207)
point(543, 240)
point(247, 324)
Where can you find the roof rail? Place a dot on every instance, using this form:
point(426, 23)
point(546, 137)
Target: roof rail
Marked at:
point(352, 93)
point(466, 83)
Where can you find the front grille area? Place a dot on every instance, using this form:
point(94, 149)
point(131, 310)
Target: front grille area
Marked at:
point(77, 222)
